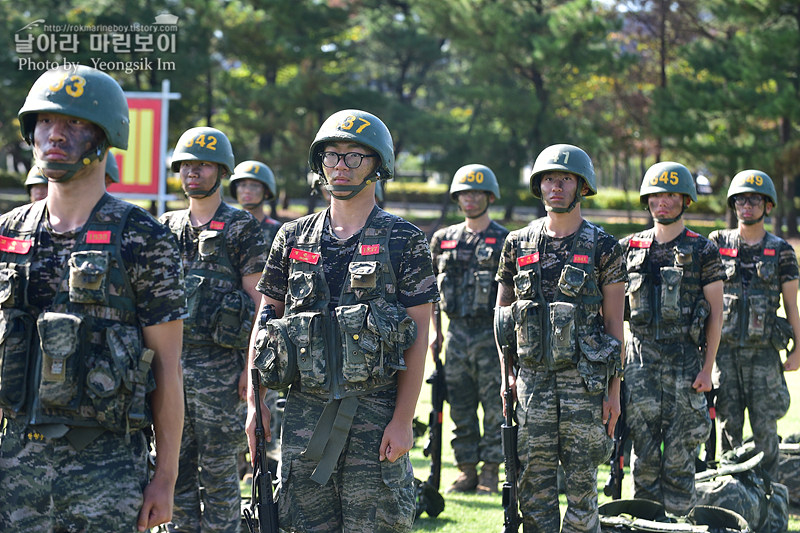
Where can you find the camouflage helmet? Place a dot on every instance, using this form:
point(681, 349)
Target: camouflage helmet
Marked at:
point(254, 170)
point(203, 144)
point(82, 92)
point(112, 169)
point(353, 125)
point(474, 178)
point(752, 181)
point(667, 176)
point(564, 158)
point(35, 177)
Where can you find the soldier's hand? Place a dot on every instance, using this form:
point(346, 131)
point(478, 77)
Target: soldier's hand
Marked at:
point(243, 385)
point(397, 440)
point(792, 361)
point(702, 383)
point(157, 504)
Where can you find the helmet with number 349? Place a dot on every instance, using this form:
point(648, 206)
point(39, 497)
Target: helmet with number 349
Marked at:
point(752, 181)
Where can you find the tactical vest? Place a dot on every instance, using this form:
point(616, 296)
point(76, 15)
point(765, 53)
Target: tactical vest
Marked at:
point(270, 227)
point(354, 350)
point(750, 313)
point(81, 361)
point(468, 289)
point(569, 330)
point(220, 312)
point(676, 310)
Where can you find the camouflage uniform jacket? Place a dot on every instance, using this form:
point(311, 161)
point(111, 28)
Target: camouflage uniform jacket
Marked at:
point(270, 227)
point(71, 344)
point(753, 288)
point(465, 265)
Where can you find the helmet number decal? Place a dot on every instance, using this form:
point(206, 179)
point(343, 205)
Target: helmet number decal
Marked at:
point(754, 179)
point(669, 178)
point(73, 87)
point(472, 177)
point(209, 142)
point(555, 158)
point(348, 123)
point(254, 169)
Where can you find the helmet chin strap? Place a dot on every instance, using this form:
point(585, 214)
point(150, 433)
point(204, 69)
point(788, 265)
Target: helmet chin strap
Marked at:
point(567, 209)
point(88, 157)
point(205, 194)
point(752, 222)
point(672, 220)
point(353, 189)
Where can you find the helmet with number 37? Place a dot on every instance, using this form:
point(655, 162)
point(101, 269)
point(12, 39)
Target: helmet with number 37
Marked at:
point(474, 178)
point(667, 176)
point(752, 181)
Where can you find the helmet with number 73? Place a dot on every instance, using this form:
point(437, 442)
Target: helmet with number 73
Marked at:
point(667, 176)
point(85, 93)
point(474, 178)
point(752, 181)
point(356, 126)
point(204, 144)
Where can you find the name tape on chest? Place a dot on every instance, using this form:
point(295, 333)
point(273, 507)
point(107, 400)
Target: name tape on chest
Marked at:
point(304, 257)
point(216, 224)
point(491, 240)
point(370, 249)
point(98, 237)
point(526, 260)
point(15, 246)
point(448, 245)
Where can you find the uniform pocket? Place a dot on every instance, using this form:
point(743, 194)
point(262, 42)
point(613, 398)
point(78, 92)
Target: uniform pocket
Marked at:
point(307, 333)
point(16, 336)
point(397, 332)
point(528, 320)
point(730, 317)
point(562, 332)
point(303, 289)
point(209, 243)
point(756, 317)
point(639, 299)
point(63, 369)
point(360, 343)
point(88, 277)
point(276, 355)
point(13, 281)
point(525, 285)
point(599, 359)
point(363, 279)
point(671, 293)
point(482, 296)
point(571, 281)
point(232, 322)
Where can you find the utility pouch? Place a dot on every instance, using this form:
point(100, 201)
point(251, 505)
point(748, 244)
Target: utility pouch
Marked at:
point(756, 317)
point(192, 284)
point(683, 256)
point(562, 333)
point(397, 331)
point(448, 293)
point(362, 345)
point(697, 328)
point(599, 359)
point(730, 269)
point(765, 270)
point(303, 289)
point(307, 333)
point(63, 369)
point(209, 243)
point(481, 300)
point(276, 355)
point(16, 338)
point(571, 281)
point(639, 299)
point(730, 317)
point(782, 334)
point(88, 277)
point(671, 293)
point(363, 279)
point(525, 285)
point(528, 319)
point(232, 322)
point(484, 255)
point(13, 282)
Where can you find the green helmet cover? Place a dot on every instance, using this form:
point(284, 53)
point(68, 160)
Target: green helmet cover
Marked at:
point(474, 178)
point(112, 169)
point(667, 176)
point(254, 170)
point(752, 181)
point(35, 177)
point(353, 125)
point(203, 144)
point(563, 158)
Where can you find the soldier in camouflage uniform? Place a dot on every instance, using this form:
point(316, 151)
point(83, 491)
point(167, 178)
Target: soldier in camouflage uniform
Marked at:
point(760, 268)
point(223, 252)
point(90, 310)
point(465, 258)
point(352, 286)
point(674, 305)
point(562, 280)
point(36, 184)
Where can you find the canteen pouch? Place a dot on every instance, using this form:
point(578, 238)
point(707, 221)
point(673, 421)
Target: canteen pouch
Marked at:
point(209, 242)
point(397, 332)
point(525, 285)
point(88, 277)
point(697, 328)
point(63, 369)
point(782, 334)
point(363, 279)
point(481, 301)
point(307, 333)
point(275, 355)
point(361, 344)
point(571, 281)
point(671, 293)
point(562, 333)
point(16, 338)
point(638, 299)
point(232, 321)
point(528, 325)
point(756, 317)
point(303, 289)
point(599, 359)
point(13, 283)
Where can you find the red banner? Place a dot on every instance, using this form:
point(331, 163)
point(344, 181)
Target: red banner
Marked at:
point(139, 164)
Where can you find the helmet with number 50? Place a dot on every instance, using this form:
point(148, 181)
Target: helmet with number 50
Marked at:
point(85, 93)
point(474, 178)
point(354, 125)
point(204, 144)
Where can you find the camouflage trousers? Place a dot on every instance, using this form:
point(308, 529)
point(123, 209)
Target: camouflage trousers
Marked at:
point(662, 408)
point(49, 486)
point(473, 378)
point(559, 421)
point(363, 494)
point(752, 379)
point(213, 434)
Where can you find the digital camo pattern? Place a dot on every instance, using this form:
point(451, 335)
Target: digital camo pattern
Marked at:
point(472, 377)
point(48, 486)
point(408, 251)
point(789, 467)
point(548, 436)
point(213, 433)
point(270, 226)
point(364, 495)
point(748, 256)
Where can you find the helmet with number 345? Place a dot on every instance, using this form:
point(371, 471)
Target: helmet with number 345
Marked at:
point(667, 176)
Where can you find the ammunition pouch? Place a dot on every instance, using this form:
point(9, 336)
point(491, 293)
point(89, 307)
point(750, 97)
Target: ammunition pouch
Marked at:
point(231, 322)
point(16, 339)
point(276, 355)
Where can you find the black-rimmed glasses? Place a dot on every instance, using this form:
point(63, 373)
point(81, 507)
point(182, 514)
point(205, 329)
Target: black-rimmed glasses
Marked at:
point(351, 159)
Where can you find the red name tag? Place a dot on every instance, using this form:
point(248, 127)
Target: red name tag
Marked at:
point(690, 233)
point(303, 256)
point(640, 243)
point(370, 249)
point(528, 259)
point(583, 259)
point(729, 252)
point(98, 237)
point(491, 240)
point(449, 245)
point(15, 246)
point(769, 251)
point(216, 224)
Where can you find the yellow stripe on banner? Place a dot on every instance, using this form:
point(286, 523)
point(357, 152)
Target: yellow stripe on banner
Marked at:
point(144, 146)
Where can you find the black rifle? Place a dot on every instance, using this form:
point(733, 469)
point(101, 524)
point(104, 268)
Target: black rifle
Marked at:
point(711, 443)
point(262, 516)
point(428, 498)
point(613, 486)
point(512, 519)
